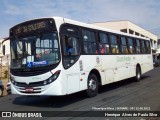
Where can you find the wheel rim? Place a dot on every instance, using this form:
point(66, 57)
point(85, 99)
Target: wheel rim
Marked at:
point(92, 85)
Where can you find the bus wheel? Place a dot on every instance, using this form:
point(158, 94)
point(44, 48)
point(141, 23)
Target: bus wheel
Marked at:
point(92, 86)
point(138, 74)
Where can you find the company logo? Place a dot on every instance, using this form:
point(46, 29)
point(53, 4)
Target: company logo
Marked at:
point(21, 114)
point(6, 114)
point(27, 82)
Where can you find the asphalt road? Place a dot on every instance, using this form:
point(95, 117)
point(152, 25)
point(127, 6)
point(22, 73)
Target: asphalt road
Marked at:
point(124, 94)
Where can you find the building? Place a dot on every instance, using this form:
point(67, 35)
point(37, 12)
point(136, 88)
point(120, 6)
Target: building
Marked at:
point(131, 28)
point(4, 59)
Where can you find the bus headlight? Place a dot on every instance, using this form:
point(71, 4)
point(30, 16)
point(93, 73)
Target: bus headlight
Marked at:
point(52, 78)
point(45, 82)
point(12, 80)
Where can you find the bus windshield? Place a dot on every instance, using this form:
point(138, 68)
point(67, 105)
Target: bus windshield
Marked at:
point(35, 51)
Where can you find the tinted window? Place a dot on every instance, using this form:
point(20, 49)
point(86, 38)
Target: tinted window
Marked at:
point(104, 44)
point(130, 41)
point(124, 47)
point(143, 49)
point(148, 49)
point(70, 45)
point(88, 36)
point(137, 42)
point(130, 45)
point(89, 41)
point(114, 44)
point(103, 38)
point(123, 41)
point(137, 46)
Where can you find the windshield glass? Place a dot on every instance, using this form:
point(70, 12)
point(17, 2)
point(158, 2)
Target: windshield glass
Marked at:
point(35, 51)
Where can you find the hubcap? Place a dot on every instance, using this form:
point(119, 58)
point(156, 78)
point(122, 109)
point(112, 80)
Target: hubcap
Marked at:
point(92, 85)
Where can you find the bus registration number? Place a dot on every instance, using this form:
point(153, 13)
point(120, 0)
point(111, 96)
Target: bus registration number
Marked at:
point(29, 89)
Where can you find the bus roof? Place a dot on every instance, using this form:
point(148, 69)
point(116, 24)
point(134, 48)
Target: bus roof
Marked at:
point(82, 24)
point(69, 21)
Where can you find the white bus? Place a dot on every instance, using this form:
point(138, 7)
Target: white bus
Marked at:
point(58, 56)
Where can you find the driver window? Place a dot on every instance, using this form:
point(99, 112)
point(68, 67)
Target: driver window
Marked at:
point(70, 46)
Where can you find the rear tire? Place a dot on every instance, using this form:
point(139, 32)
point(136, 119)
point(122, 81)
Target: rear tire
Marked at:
point(138, 74)
point(92, 86)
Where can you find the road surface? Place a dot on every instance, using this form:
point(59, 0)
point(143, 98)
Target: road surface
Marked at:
point(125, 94)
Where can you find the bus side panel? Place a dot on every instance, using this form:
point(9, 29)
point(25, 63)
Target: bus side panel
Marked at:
point(108, 65)
point(146, 63)
point(73, 83)
point(72, 76)
point(76, 77)
point(89, 63)
point(123, 67)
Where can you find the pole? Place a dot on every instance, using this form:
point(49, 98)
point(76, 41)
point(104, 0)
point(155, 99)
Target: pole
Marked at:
point(1, 67)
point(8, 66)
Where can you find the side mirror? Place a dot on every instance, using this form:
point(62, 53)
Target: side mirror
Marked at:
point(4, 52)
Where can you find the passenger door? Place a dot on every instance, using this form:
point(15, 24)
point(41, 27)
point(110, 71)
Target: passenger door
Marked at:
point(70, 54)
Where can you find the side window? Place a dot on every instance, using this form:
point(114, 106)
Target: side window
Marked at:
point(114, 44)
point(124, 47)
point(70, 45)
point(104, 44)
point(130, 45)
point(143, 49)
point(137, 46)
point(148, 49)
point(89, 41)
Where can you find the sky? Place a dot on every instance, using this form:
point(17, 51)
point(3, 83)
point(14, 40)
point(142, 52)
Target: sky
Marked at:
point(145, 13)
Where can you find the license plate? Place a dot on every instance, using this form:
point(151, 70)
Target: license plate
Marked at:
point(29, 90)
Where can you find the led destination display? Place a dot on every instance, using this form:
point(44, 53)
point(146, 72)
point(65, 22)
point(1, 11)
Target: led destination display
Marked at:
point(33, 26)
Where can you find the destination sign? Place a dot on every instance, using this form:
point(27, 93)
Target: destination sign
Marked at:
point(32, 26)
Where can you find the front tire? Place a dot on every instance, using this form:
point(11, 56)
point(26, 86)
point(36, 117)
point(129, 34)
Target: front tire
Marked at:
point(92, 86)
point(138, 74)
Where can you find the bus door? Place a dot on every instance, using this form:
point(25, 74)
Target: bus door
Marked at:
point(70, 54)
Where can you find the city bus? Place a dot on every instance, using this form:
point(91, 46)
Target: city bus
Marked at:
point(57, 56)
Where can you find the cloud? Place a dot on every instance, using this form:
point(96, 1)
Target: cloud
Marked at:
point(144, 13)
point(12, 9)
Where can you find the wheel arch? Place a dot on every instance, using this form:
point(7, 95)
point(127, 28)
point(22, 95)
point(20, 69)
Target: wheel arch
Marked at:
point(138, 65)
point(96, 72)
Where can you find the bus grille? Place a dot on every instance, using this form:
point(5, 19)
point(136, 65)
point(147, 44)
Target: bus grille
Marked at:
point(35, 84)
point(28, 73)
